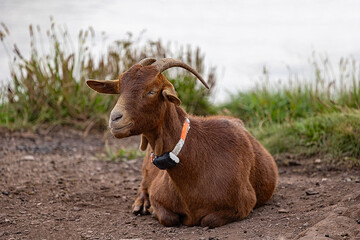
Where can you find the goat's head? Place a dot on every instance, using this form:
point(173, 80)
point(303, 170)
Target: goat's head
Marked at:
point(144, 95)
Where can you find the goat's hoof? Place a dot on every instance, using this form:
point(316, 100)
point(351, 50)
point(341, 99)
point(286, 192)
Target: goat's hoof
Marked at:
point(141, 205)
point(142, 210)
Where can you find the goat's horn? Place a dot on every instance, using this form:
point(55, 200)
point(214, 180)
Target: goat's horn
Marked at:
point(147, 61)
point(167, 63)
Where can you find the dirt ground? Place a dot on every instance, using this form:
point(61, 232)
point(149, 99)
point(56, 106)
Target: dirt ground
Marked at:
point(53, 186)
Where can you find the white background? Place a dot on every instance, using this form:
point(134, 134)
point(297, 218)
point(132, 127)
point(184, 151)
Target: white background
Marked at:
point(239, 37)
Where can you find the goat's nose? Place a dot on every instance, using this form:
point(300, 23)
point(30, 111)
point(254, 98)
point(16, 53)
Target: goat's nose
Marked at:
point(116, 116)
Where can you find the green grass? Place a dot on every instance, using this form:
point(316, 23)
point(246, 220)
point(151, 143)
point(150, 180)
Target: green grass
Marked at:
point(334, 136)
point(122, 154)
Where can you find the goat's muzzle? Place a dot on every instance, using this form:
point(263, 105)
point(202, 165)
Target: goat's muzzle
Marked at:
point(119, 125)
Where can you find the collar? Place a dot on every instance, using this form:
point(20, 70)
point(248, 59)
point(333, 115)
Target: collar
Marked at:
point(173, 155)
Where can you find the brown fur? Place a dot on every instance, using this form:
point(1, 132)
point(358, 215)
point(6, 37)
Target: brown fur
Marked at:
point(224, 172)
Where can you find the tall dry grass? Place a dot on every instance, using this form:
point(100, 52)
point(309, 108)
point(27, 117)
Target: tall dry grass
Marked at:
point(49, 85)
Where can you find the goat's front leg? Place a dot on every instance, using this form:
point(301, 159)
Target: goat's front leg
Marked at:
point(141, 204)
point(165, 202)
point(164, 216)
point(247, 201)
point(219, 218)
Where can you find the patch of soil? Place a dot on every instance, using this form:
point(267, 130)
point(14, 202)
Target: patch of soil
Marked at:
point(52, 186)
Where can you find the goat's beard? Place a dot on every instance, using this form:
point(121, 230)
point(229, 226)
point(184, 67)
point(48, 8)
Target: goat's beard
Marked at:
point(121, 133)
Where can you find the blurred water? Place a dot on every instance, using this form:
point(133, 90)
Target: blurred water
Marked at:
point(239, 37)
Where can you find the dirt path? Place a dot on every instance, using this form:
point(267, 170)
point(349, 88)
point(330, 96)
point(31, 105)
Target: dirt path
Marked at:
point(52, 187)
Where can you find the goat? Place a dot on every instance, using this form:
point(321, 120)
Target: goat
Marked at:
point(217, 173)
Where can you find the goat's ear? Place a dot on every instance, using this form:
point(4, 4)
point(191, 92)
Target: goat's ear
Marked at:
point(170, 94)
point(104, 86)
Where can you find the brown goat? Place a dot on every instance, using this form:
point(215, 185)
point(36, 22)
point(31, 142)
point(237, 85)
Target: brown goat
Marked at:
point(223, 173)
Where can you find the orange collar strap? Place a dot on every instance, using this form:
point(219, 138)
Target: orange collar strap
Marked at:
point(184, 132)
point(175, 152)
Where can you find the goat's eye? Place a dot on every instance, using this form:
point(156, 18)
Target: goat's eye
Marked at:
point(152, 92)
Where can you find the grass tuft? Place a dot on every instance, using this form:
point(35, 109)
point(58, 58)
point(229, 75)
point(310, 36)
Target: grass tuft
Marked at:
point(334, 136)
point(123, 154)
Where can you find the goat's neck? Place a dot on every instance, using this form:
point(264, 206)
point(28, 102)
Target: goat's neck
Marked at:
point(167, 134)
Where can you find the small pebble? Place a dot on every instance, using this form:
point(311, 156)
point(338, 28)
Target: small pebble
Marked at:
point(76, 209)
point(311, 191)
point(213, 238)
point(283, 211)
point(28, 158)
point(358, 221)
point(327, 235)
